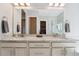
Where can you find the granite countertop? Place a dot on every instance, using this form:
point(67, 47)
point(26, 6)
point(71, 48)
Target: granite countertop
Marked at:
point(29, 38)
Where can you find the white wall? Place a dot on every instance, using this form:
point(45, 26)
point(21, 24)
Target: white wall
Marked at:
point(6, 10)
point(71, 13)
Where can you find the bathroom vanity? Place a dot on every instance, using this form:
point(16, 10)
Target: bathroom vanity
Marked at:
point(34, 46)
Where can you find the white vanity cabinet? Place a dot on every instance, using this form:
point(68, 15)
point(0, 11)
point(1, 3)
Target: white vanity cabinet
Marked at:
point(39, 49)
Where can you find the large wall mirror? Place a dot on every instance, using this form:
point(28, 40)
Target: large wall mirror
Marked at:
point(38, 21)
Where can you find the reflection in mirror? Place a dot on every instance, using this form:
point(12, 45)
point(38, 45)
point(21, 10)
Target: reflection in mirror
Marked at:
point(54, 21)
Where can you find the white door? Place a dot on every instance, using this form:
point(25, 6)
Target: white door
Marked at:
point(57, 51)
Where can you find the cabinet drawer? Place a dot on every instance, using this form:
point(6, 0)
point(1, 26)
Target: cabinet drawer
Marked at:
point(39, 52)
point(39, 44)
point(63, 44)
point(13, 45)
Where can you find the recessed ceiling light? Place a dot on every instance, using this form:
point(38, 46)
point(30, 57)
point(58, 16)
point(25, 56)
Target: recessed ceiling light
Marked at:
point(22, 4)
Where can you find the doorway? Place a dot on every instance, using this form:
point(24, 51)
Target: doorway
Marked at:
point(32, 25)
point(42, 27)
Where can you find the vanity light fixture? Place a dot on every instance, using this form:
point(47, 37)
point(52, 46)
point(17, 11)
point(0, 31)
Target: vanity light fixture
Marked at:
point(56, 4)
point(21, 4)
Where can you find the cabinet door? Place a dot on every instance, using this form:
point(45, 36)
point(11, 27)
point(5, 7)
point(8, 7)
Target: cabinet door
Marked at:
point(6, 51)
point(39, 52)
point(57, 51)
point(69, 51)
point(21, 51)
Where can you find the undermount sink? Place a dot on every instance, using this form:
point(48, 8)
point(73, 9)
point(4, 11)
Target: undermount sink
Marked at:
point(39, 35)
